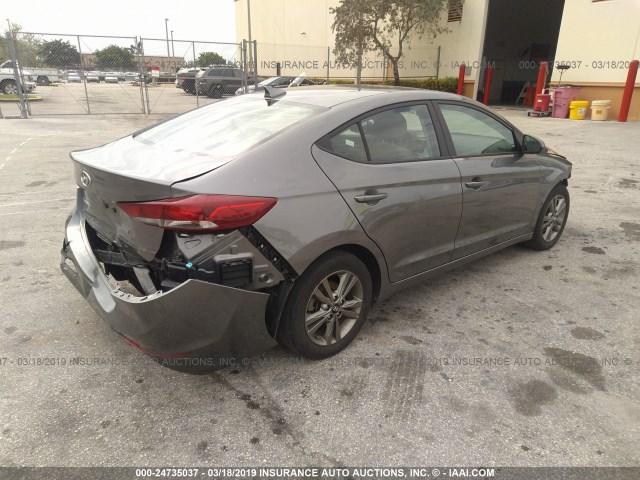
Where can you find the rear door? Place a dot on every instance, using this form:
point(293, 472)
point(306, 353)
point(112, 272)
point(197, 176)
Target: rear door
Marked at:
point(388, 167)
point(500, 185)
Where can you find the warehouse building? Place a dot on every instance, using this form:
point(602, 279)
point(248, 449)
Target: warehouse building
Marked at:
point(596, 38)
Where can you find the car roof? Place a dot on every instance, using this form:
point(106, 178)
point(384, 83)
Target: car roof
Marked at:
point(333, 95)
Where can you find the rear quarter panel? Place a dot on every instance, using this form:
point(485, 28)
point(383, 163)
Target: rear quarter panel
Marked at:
point(310, 217)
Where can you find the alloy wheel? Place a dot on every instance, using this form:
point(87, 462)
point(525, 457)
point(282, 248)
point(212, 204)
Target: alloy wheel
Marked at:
point(11, 89)
point(333, 308)
point(554, 218)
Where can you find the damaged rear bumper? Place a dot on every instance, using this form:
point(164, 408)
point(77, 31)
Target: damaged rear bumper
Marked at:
point(194, 319)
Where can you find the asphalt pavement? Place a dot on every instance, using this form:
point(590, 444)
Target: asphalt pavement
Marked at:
point(522, 358)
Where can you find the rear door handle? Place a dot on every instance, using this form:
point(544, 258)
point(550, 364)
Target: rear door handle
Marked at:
point(475, 183)
point(370, 199)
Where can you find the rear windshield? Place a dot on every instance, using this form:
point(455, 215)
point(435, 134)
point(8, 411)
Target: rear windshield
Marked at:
point(227, 128)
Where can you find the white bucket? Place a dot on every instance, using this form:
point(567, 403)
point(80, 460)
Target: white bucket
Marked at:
point(600, 109)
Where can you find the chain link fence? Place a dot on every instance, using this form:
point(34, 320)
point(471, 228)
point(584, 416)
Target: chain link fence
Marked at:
point(319, 64)
point(173, 87)
point(63, 74)
point(60, 74)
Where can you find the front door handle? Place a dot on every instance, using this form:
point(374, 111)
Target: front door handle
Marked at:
point(475, 183)
point(371, 198)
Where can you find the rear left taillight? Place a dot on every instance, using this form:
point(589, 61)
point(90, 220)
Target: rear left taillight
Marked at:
point(200, 212)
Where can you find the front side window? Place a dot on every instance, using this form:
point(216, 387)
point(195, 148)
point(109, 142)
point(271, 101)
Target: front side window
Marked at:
point(475, 133)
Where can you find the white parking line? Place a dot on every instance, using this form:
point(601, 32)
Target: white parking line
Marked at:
point(37, 201)
point(14, 151)
point(29, 211)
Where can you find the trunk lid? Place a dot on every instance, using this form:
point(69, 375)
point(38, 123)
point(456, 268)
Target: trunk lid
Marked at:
point(129, 170)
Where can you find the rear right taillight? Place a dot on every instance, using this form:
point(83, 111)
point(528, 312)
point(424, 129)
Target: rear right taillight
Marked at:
point(200, 212)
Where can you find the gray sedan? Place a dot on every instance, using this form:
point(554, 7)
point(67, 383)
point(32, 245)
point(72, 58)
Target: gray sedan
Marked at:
point(282, 217)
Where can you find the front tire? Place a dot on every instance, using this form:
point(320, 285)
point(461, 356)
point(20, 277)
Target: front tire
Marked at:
point(552, 219)
point(327, 306)
point(215, 91)
point(9, 87)
point(43, 81)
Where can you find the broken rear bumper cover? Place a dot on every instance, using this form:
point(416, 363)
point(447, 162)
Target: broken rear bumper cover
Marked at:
point(197, 317)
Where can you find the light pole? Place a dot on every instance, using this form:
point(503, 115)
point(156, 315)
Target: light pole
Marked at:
point(250, 42)
point(173, 52)
point(166, 28)
point(249, 34)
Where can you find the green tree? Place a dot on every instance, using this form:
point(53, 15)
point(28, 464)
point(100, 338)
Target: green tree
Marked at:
point(26, 45)
point(385, 25)
point(4, 50)
point(60, 54)
point(353, 34)
point(210, 58)
point(114, 57)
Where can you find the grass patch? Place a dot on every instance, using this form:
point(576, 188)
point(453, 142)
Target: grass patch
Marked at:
point(446, 84)
point(16, 98)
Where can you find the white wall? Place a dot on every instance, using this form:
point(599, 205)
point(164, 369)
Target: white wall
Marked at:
point(594, 33)
point(463, 42)
point(278, 26)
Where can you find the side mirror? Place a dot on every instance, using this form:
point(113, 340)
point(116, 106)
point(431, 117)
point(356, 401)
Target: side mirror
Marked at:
point(531, 144)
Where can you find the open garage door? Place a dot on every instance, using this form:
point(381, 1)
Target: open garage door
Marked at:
point(519, 35)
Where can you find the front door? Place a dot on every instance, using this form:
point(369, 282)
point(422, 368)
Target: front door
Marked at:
point(500, 185)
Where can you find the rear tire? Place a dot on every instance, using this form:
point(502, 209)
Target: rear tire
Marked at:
point(327, 306)
point(43, 81)
point(551, 220)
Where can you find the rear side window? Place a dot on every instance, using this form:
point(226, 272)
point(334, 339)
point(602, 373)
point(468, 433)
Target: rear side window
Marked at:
point(475, 133)
point(348, 144)
point(401, 134)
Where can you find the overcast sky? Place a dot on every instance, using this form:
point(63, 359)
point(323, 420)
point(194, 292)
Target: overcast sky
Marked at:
point(212, 20)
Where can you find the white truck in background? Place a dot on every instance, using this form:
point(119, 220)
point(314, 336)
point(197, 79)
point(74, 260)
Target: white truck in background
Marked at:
point(8, 81)
point(41, 76)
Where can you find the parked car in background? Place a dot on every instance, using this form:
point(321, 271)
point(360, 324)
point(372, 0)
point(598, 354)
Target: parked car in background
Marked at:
point(186, 78)
point(93, 77)
point(73, 77)
point(284, 218)
point(214, 82)
point(131, 76)
point(111, 77)
point(277, 82)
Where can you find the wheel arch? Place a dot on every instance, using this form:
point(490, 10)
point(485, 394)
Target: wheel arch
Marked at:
point(368, 258)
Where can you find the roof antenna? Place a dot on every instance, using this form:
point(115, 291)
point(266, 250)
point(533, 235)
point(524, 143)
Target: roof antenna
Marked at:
point(272, 94)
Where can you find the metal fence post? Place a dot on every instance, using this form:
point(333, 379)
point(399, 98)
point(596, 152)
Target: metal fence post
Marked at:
point(438, 64)
point(138, 50)
point(16, 76)
point(195, 79)
point(328, 62)
point(144, 80)
point(243, 59)
point(84, 77)
point(255, 62)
